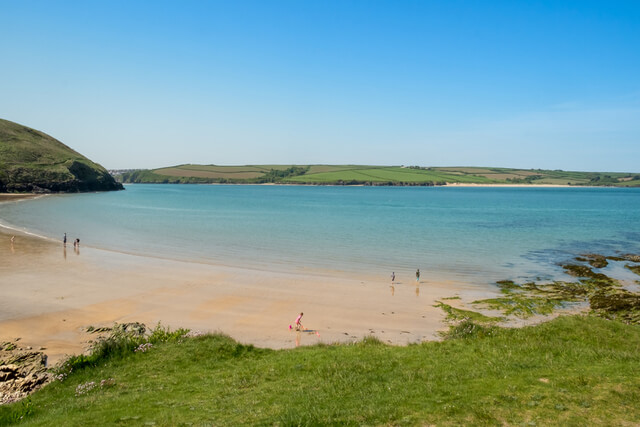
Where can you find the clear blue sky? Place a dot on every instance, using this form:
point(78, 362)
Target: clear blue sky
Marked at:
point(530, 84)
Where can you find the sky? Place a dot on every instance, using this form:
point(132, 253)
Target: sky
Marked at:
point(522, 84)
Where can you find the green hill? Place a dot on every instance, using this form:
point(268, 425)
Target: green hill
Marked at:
point(32, 161)
point(374, 175)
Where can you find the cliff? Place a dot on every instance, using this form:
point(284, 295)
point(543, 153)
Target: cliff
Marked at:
point(32, 161)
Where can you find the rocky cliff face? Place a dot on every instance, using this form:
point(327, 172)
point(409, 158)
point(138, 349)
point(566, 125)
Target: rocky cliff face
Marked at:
point(32, 161)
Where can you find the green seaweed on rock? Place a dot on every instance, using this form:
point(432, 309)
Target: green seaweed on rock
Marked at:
point(594, 260)
point(602, 293)
point(634, 268)
point(618, 304)
point(577, 270)
point(522, 305)
point(458, 314)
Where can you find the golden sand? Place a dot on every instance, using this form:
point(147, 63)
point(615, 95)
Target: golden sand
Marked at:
point(51, 294)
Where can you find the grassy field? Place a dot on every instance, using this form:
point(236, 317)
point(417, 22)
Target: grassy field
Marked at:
point(374, 175)
point(570, 371)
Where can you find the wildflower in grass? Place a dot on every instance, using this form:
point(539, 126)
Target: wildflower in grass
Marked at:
point(85, 388)
point(143, 347)
point(63, 372)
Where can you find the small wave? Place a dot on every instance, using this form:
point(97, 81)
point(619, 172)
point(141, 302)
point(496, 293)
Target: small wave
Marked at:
point(22, 230)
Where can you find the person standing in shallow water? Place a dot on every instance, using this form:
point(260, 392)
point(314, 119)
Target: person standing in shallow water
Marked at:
point(417, 275)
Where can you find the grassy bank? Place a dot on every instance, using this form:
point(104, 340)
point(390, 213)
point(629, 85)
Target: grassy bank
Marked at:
point(373, 175)
point(32, 161)
point(573, 370)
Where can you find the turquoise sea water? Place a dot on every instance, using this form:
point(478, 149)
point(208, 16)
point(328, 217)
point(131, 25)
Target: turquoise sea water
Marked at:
point(475, 235)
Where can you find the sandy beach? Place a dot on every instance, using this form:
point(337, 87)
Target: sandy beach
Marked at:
point(51, 294)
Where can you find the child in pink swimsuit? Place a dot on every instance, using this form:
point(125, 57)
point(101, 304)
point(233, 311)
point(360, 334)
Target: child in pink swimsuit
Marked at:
point(298, 324)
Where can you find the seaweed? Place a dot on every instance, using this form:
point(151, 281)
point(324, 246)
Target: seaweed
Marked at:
point(595, 260)
point(634, 268)
point(577, 270)
point(619, 304)
point(458, 314)
point(604, 295)
point(522, 305)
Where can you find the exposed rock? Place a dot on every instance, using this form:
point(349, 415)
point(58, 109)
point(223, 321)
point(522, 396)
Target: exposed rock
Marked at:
point(595, 260)
point(7, 346)
point(577, 270)
point(21, 373)
point(632, 257)
point(634, 268)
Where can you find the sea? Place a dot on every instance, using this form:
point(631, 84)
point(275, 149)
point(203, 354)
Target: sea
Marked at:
point(474, 235)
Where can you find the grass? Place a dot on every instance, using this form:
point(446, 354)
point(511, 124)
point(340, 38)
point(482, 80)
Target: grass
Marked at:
point(32, 160)
point(372, 175)
point(571, 371)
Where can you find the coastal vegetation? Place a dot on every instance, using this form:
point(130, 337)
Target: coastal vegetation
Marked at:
point(32, 161)
point(573, 370)
point(372, 175)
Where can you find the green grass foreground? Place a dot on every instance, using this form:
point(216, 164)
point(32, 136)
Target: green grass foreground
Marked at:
point(574, 370)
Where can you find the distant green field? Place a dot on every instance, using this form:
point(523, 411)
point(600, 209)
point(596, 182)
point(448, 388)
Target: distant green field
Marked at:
point(391, 174)
point(374, 175)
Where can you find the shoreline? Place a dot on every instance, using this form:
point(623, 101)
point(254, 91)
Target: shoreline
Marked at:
point(10, 197)
point(449, 184)
point(52, 294)
point(453, 184)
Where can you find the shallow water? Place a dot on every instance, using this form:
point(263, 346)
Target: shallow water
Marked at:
point(471, 235)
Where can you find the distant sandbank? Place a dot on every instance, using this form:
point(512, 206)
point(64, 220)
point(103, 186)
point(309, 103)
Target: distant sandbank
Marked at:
point(455, 184)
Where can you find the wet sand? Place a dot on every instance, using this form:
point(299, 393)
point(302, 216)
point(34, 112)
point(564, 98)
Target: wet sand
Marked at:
point(50, 295)
point(8, 197)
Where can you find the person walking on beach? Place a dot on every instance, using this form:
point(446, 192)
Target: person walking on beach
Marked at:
point(393, 277)
point(64, 239)
point(417, 275)
point(299, 322)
